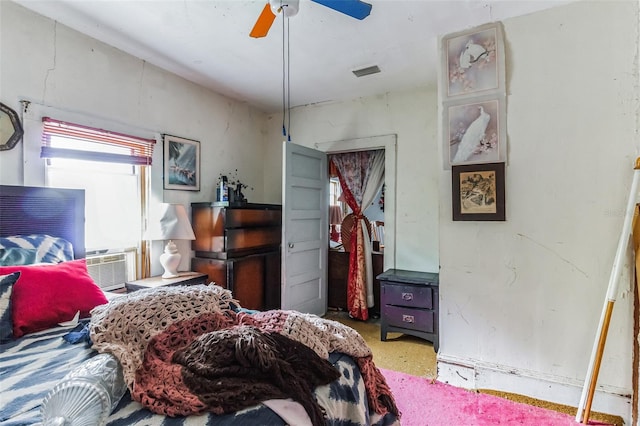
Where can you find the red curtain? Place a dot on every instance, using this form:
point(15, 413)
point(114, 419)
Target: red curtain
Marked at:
point(354, 171)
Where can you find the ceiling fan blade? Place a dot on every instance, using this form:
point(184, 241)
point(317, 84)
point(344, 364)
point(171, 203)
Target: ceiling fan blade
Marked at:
point(354, 8)
point(266, 18)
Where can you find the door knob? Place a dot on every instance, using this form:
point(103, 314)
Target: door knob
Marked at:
point(291, 245)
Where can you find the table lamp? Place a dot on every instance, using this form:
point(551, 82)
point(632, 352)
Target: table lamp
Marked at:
point(173, 225)
point(335, 220)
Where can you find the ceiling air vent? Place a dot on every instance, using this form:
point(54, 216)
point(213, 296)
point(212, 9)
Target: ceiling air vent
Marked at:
point(366, 71)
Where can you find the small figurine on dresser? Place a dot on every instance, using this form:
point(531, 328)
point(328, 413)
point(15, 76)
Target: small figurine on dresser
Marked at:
point(233, 189)
point(236, 196)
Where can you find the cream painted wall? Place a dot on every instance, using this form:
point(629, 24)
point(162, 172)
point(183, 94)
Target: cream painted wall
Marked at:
point(523, 298)
point(53, 65)
point(412, 117)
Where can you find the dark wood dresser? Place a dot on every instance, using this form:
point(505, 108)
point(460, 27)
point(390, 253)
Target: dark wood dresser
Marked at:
point(410, 304)
point(239, 249)
point(338, 266)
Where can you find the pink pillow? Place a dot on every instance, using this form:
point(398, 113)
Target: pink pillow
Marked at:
point(47, 294)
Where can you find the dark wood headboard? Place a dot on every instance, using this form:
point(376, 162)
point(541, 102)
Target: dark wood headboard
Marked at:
point(34, 210)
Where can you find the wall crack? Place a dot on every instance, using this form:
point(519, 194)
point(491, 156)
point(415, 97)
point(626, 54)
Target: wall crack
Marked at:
point(55, 58)
point(564, 259)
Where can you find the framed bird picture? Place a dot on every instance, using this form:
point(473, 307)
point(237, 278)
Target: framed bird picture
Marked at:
point(474, 131)
point(478, 192)
point(473, 61)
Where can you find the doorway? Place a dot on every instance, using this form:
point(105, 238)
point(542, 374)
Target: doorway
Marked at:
point(388, 143)
point(338, 257)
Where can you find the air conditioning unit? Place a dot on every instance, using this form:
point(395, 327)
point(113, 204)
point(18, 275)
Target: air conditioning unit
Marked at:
point(109, 271)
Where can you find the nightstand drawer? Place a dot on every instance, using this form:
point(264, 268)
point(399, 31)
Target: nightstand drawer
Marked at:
point(406, 295)
point(410, 318)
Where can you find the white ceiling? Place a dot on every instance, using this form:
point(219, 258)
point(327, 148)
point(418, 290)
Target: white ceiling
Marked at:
point(207, 42)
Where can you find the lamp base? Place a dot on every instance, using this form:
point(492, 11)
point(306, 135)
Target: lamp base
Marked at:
point(170, 260)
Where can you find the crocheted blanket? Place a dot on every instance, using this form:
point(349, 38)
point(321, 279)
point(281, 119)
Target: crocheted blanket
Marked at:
point(187, 350)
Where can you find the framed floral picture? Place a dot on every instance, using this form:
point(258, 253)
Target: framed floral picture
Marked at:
point(473, 61)
point(478, 192)
point(181, 163)
point(474, 131)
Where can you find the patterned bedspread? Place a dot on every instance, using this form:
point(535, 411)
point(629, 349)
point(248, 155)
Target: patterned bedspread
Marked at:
point(32, 365)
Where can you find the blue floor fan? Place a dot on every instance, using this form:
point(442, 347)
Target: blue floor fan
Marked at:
point(355, 8)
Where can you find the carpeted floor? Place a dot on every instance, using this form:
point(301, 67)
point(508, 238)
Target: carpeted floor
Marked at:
point(426, 402)
point(416, 357)
point(400, 352)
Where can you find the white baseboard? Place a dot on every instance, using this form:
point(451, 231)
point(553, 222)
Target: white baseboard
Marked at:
point(474, 374)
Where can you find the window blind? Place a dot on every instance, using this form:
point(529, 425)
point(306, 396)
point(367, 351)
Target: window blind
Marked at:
point(68, 140)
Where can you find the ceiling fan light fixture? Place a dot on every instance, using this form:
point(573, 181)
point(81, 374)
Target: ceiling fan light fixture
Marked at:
point(355, 8)
point(374, 69)
point(288, 8)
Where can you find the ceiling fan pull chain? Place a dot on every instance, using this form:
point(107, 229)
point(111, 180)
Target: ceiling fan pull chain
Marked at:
point(286, 86)
point(284, 129)
point(288, 81)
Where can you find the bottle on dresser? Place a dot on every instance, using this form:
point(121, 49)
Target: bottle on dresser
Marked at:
point(222, 194)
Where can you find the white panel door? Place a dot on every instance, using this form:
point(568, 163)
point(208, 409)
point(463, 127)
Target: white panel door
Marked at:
point(305, 229)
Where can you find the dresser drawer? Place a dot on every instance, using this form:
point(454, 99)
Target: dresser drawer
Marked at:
point(406, 295)
point(410, 318)
point(243, 218)
point(230, 232)
point(240, 239)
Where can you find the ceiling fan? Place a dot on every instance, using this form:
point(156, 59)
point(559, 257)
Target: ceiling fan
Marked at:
point(354, 8)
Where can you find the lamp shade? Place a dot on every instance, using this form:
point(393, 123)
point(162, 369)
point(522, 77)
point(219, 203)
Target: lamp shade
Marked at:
point(335, 215)
point(335, 219)
point(172, 224)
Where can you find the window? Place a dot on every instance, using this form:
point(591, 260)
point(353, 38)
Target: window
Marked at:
point(334, 191)
point(109, 167)
point(112, 200)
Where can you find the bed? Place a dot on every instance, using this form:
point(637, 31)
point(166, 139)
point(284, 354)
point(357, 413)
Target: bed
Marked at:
point(39, 354)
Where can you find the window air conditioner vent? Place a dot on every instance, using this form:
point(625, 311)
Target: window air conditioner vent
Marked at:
point(109, 271)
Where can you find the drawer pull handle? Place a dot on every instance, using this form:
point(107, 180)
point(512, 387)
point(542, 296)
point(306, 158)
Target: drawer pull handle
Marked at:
point(408, 318)
point(407, 296)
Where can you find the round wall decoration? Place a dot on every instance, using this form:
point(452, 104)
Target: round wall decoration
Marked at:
point(10, 128)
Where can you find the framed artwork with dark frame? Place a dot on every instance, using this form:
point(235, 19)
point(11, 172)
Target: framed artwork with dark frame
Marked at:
point(478, 192)
point(181, 163)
